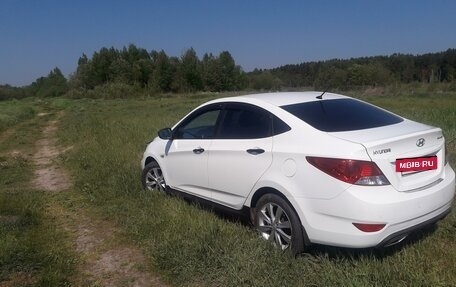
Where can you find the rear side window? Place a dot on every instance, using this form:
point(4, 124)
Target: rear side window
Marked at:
point(341, 115)
point(278, 126)
point(245, 121)
point(242, 122)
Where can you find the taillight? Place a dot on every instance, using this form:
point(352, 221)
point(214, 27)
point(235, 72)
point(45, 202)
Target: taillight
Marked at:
point(350, 171)
point(365, 227)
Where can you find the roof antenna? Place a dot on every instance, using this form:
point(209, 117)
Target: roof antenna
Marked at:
point(321, 96)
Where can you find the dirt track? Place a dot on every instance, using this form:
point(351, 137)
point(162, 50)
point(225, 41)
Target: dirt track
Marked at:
point(107, 259)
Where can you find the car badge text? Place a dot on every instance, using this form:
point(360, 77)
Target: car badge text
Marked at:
point(380, 151)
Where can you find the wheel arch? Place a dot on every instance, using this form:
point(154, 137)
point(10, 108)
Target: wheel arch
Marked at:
point(265, 190)
point(149, 159)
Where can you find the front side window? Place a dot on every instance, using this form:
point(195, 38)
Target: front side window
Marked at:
point(201, 126)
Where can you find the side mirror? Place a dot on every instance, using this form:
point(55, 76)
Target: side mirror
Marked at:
point(165, 134)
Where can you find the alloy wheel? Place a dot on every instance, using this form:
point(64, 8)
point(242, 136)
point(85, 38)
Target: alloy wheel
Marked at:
point(155, 180)
point(275, 225)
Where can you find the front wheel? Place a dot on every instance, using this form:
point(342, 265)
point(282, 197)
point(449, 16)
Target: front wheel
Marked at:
point(152, 177)
point(277, 222)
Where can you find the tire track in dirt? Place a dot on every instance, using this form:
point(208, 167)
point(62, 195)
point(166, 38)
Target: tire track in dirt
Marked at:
point(48, 175)
point(107, 259)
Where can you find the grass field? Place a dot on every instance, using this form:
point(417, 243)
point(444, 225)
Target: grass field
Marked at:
point(34, 251)
point(191, 246)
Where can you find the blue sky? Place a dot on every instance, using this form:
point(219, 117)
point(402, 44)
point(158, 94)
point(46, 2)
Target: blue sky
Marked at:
point(36, 36)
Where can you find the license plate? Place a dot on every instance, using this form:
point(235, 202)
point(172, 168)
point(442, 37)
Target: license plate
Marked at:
point(416, 164)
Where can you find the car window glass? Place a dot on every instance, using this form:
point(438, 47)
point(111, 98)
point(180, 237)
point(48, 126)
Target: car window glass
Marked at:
point(245, 123)
point(279, 126)
point(200, 127)
point(342, 115)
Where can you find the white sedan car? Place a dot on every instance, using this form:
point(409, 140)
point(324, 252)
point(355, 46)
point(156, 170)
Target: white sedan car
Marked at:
point(310, 167)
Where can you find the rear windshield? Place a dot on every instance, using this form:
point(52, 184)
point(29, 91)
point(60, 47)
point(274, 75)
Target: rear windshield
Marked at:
point(341, 115)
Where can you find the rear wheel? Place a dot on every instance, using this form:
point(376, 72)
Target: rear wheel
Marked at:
point(277, 222)
point(152, 177)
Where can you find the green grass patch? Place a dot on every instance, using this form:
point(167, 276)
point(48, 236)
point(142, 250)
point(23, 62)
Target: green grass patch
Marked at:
point(191, 246)
point(13, 112)
point(33, 251)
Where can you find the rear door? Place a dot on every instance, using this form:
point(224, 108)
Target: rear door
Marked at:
point(240, 153)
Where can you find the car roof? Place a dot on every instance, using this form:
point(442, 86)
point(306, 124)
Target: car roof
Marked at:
point(282, 98)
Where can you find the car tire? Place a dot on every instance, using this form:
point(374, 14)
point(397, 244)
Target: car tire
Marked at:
point(152, 177)
point(276, 221)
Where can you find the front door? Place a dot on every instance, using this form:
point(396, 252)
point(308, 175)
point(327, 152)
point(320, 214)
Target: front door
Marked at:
point(186, 156)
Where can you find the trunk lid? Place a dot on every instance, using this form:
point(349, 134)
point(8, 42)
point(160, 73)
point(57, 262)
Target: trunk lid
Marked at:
point(404, 140)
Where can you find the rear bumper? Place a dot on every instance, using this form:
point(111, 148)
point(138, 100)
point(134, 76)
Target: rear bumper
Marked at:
point(330, 222)
point(398, 236)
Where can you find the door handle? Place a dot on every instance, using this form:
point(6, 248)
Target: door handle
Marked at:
point(198, 150)
point(255, 151)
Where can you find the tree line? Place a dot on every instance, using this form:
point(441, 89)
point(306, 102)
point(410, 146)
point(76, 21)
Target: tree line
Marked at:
point(53, 85)
point(359, 72)
point(136, 71)
point(159, 72)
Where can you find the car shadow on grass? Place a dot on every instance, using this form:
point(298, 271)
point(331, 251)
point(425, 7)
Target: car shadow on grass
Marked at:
point(355, 254)
point(317, 250)
point(221, 212)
